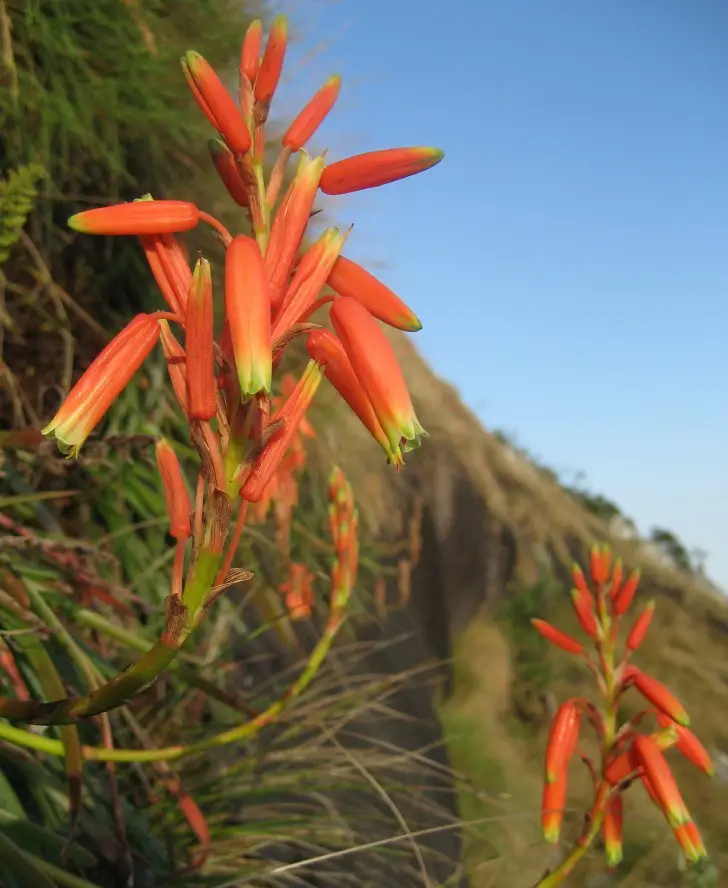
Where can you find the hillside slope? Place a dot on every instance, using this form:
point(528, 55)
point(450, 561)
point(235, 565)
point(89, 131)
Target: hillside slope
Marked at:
point(492, 524)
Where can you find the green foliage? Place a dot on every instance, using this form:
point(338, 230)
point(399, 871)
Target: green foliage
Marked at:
point(288, 794)
point(17, 198)
point(98, 100)
point(672, 548)
point(101, 102)
point(533, 669)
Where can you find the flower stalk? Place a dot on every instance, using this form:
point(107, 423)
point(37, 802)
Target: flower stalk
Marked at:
point(627, 756)
point(224, 382)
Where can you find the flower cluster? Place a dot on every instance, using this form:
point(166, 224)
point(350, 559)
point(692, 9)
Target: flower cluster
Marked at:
point(272, 286)
point(247, 437)
point(344, 526)
point(627, 756)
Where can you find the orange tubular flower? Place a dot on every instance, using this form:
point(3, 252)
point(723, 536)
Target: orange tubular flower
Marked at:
point(580, 582)
point(326, 350)
point(176, 497)
point(622, 766)
point(138, 217)
point(584, 612)
point(563, 738)
point(308, 281)
point(170, 268)
point(639, 630)
point(661, 780)
point(176, 364)
point(200, 345)
point(617, 576)
point(377, 168)
point(272, 63)
point(290, 225)
point(660, 697)
point(291, 413)
point(216, 102)
point(312, 116)
point(247, 308)
point(102, 383)
point(599, 558)
point(612, 829)
point(250, 52)
point(650, 790)
point(689, 745)
point(376, 366)
point(552, 808)
point(690, 841)
point(227, 170)
point(624, 597)
point(349, 279)
point(557, 637)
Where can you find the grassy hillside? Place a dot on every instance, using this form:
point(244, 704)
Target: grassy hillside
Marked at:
point(502, 537)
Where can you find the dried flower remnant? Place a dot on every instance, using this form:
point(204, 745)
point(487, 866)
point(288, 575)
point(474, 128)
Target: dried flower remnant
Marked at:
point(628, 757)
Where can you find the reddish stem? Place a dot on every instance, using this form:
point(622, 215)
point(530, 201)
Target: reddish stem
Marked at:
point(234, 542)
point(225, 235)
point(199, 501)
point(179, 567)
point(169, 316)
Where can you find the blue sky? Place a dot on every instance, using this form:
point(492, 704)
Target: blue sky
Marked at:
point(569, 257)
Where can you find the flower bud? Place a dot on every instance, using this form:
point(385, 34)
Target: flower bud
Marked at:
point(312, 116)
point(250, 52)
point(557, 637)
point(379, 373)
point(138, 217)
point(247, 308)
point(217, 103)
point(349, 279)
point(377, 168)
point(199, 345)
point(272, 64)
point(563, 738)
point(176, 496)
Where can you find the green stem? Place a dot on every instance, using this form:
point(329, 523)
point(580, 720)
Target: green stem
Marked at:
point(568, 864)
point(184, 670)
point(30, 740)
point(115, 693)
point(126, 684)
point(59, 875)
point(22, 865)
point(52, 686)
point(263, 233)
